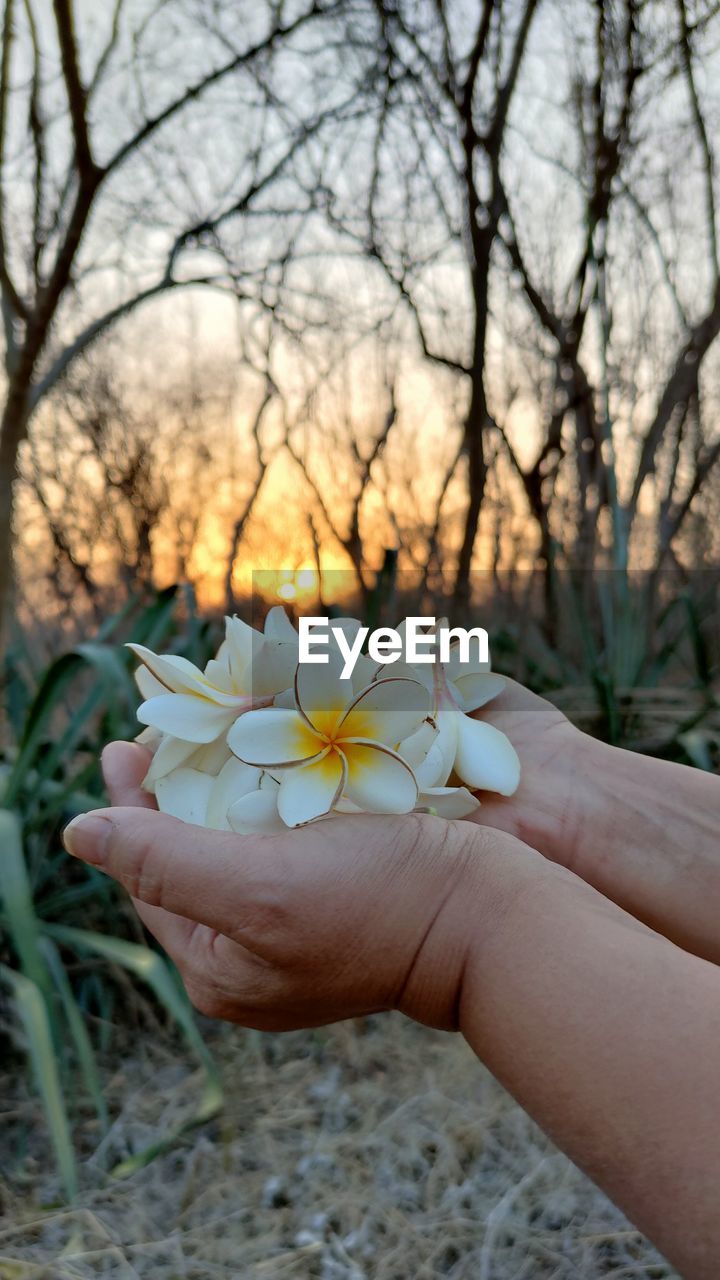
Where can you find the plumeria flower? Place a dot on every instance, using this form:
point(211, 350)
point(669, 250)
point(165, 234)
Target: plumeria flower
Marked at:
point(205, 798)
point(256, 812)
point(193, 708)
point(463, 749)
point(471, 751)
point(424, 752)
point(336, 744)
point(386, 740)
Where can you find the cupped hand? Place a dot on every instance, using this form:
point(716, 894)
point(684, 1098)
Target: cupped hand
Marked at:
point(558, 767)
point(344, 917)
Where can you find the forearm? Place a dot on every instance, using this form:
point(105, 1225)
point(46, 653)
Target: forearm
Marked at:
point(610, 1037)
point(648, 836)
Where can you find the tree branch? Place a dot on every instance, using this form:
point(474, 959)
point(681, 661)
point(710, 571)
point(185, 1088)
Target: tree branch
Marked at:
point(502, 105)
point(708, 156)
point(465, 105)
point(93, 331)
point(37, 132)
point(12, 305)
point(107, 52)
point(195, 91)
point(65, 23)
point(707, 461)
point(681, 384)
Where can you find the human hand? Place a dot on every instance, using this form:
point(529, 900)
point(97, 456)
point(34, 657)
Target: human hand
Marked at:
point(645, 832)
point(341, 918)
point(559, 767)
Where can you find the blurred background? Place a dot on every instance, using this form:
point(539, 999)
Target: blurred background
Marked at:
point(383, 305)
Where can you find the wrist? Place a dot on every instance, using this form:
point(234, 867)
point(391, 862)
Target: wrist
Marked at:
point(557, 801)
point(477, 876)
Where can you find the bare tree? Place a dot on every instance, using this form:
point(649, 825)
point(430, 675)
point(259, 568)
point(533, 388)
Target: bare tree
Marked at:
point(122, 485)
point(526, 191)
point(130, 142)
point(595, 357)
point(512, 204)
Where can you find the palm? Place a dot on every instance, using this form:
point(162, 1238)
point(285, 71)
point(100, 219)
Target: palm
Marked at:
point(547, 744)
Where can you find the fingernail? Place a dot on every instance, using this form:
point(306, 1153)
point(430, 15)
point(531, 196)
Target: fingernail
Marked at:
point(86, 836)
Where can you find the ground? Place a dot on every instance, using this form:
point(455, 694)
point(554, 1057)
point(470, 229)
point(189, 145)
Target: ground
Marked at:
point(371, 1151)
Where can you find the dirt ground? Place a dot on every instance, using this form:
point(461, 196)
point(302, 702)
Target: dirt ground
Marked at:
point(378, 1152)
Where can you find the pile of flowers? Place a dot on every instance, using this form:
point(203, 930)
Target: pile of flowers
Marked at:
point(260, 742)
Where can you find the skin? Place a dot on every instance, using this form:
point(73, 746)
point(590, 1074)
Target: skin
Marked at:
point(605, 1030)
point(644, 832)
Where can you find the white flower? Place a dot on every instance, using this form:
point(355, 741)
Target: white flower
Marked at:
point(425, 755)
point(192, 708)
point(258, 743)
point(472, 751)
point(204, 798)
point(337, 745)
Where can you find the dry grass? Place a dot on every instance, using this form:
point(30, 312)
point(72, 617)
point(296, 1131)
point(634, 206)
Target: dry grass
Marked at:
point(383, 1152)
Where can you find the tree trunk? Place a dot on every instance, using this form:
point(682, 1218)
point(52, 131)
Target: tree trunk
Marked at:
point(475, 449)
point(13, 429)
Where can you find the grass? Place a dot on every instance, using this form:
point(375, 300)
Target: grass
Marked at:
point(381, 1150)
point(59, 720)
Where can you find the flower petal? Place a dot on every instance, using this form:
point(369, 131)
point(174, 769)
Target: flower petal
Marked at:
point(273, 669)
point(180, 676)
point(475, 690)
point(311, 790)
point(171, 754)
point(184, 716)
point(279, 627)
point(209, 757)
point(286, 699)
point(243, 645)
point(184, 794)
point(219, 676)
point(348, 626)
point(449, 802)
point(406, 671)
point(456, 668)
point(378, 779)
point(320, 693)
point(234, 780)
point(273, 736)
point(148, 684)
point(415, 748)
point(256, 813)
point(387, 711)
point(437, 766)
point(485, 759)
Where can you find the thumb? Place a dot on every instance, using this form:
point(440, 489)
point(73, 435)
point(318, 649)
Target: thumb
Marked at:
point(203, 875)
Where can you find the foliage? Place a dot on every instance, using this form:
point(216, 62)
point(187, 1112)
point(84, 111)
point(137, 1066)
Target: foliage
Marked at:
point(58, 723)
point(633, 657)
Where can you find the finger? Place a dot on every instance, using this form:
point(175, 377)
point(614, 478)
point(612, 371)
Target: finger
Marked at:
point(124, 765)
point(173, 932)
point(200, 874)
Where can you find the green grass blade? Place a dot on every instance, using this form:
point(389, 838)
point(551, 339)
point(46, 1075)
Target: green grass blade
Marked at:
point(147, 965)
point(113, 682)
point(696, 744)
point(32, 1011)
point(18, 909)
point(78, 1031)
point(152, 969)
